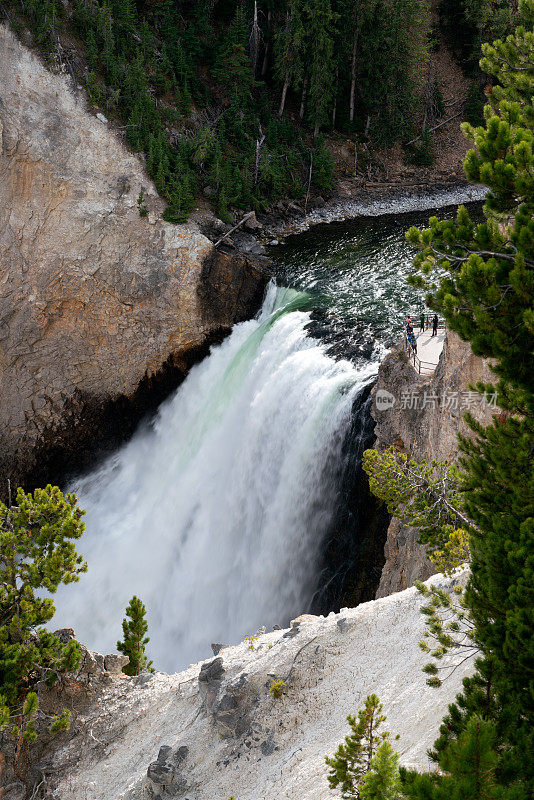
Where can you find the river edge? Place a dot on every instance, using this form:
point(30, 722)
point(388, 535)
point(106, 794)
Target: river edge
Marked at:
point(391, 201)
point(292, 218)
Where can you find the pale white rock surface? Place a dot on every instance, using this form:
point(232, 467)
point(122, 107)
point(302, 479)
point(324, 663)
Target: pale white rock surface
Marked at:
point(227, 735)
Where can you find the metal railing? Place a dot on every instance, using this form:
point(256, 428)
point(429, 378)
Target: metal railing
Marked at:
point(416, 320)
point(422, 367)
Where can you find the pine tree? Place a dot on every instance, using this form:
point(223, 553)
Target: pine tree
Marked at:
point(353, 758)
point(393, 56)
point(232, 67)
point(289, 45)
point(486, 293)
point(320, 23)
point(37, 552)
point(469, 763)
point(382, 782)
point(134, 628)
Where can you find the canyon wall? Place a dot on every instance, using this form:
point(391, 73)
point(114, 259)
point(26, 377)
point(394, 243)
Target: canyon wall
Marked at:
point(215, 730)
point(97, 303)
point(424, 421)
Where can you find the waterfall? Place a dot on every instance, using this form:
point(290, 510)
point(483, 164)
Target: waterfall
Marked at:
point(215, 511)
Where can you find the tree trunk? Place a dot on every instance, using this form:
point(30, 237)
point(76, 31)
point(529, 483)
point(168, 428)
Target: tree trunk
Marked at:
point(310, 174)
point(265, 64)
point(303, 98)
point(255, 40)
point(283, 98)
point(334, 110)
point(353, 72)
point(259, 145)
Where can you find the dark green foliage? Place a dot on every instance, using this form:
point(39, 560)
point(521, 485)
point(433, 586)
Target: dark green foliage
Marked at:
point(37, 552)
point(474, 105)
point(470, 763)
point(485, 290)
point(232, 68)
point(320, 21)
point(180, 78)
point(96, 90)
point(353, 758)
point(477, 698)
point(133, 645)
point(467, 24)
point(421, 152)
point(290, 48)
point(394, 51)
point(382, 782)
point(45, 16)
point(143, 210)
point(323, 165)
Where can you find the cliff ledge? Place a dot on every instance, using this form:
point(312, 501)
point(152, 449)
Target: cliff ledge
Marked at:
point(424, 421)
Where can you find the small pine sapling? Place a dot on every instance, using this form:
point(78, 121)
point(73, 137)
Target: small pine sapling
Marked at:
point(141, 206)
point(354, 756)
point(134, 627)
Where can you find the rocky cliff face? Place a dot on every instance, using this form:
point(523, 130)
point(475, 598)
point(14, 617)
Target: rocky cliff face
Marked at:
point(215, 730)
point(424, 423)
point(96, 302)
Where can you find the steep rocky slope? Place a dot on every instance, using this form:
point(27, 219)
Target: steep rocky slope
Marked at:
point(214, 730)
point(424, 422)
point(96, 302)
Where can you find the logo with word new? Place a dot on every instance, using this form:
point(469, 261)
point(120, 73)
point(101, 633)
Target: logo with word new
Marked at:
point(384, 400)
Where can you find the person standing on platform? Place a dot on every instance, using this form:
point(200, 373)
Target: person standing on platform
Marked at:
point(435, 325)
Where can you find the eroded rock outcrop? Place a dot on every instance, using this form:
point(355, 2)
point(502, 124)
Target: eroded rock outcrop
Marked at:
point(95, 300)
point(22, 768)
point(425, 427)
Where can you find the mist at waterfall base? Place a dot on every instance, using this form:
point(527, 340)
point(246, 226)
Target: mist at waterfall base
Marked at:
point(214, 513)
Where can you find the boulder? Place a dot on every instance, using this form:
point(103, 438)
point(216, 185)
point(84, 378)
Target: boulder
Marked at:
point(252, 223)
point(114, 663)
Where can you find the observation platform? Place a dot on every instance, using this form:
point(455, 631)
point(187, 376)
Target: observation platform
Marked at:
point(428, 348)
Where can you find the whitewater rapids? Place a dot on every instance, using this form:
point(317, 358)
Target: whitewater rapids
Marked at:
point(214, 512)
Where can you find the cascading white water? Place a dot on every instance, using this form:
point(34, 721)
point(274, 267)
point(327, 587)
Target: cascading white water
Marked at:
point(214, 513)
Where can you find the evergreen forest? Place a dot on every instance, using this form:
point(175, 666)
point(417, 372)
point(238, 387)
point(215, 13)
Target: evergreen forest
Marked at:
point(234, 98)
